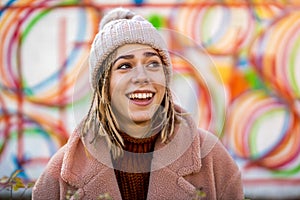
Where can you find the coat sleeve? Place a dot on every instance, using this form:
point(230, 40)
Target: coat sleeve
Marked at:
point(227, 176)
point(50, 185)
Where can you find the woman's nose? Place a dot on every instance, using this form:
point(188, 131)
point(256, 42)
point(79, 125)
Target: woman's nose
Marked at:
point(140, 75)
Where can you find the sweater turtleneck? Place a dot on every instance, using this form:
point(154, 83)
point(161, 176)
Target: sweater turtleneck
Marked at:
point(132, 170)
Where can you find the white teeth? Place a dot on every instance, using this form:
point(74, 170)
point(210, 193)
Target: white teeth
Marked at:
point(140, 95)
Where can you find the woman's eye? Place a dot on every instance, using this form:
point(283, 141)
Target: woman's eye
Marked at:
point(124, 66)
point(154, 65)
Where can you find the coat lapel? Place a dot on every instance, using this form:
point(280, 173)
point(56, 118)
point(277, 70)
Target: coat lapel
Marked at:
point(88, 166)
point(174, 160)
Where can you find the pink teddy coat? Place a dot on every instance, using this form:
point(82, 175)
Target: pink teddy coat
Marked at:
point(194, 159)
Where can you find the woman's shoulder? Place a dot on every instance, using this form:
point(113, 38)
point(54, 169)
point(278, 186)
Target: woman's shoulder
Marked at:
point(58, 157)
point(213, 150)
point(210, 143)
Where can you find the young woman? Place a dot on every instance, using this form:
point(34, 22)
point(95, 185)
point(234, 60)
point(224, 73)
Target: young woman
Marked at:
point(134, 142)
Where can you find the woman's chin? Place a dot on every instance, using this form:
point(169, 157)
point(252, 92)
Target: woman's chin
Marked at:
point(141, 118)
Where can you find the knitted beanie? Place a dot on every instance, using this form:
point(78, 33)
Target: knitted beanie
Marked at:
point(119, 27)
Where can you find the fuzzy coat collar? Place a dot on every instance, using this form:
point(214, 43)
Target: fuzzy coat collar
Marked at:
point(88, 166)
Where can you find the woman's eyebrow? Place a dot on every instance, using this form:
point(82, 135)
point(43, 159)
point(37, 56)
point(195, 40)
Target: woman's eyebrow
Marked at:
point(126, 57)
point(150, 54)
point(131, 56)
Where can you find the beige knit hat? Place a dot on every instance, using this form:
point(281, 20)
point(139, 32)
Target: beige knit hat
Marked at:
point(119, 27)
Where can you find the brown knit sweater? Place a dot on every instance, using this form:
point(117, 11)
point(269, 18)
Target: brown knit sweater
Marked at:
point(133, 169)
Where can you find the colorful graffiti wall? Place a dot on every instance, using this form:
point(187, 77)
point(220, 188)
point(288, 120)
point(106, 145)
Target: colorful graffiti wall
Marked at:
point(236, 70)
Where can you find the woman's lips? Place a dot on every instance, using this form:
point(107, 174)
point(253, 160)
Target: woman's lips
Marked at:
point(141, 98)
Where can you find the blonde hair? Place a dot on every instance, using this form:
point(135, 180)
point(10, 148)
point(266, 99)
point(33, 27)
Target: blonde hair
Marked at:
point(102, 120)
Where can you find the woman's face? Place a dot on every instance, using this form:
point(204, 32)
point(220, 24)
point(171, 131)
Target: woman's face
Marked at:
point(137, 84)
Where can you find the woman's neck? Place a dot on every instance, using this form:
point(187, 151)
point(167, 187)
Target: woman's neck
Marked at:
point(136, 130)
point(140, 129)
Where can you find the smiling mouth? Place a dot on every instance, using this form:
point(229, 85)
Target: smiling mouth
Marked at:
point(140, 96)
